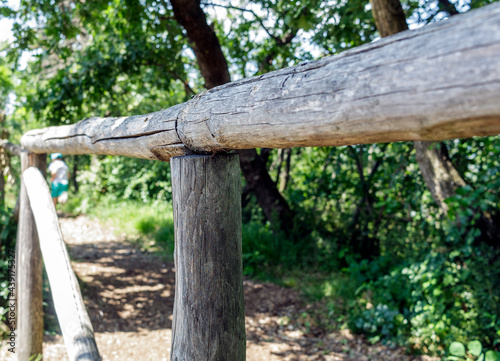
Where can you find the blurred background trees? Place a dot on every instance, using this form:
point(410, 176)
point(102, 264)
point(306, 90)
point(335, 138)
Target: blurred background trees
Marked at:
point(359, 228)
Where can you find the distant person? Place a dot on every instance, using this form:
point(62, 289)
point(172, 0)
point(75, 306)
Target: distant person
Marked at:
point(59, 175)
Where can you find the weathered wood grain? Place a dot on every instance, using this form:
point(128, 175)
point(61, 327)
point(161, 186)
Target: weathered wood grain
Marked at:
point(73, 319)
point(209, 317)
point(29, 271)
point(13, 149)
point(439, 82)
point(150, 136)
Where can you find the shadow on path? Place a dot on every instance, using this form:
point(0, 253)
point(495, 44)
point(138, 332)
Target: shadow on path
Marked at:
point(130, 294)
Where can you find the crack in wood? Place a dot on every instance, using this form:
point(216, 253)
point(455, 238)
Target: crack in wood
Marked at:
point(135, 136)
point(66, 137)
point(392, 90)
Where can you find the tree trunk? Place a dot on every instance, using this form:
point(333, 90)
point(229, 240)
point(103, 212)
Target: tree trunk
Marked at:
point(285, 175)
point(259, 182)
point(73, 173)
point(360, 241)
point(204, 42)
point(215, 71)
point(440, 176)
point(389, 17)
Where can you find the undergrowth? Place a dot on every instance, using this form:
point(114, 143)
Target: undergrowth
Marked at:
point(447, 295)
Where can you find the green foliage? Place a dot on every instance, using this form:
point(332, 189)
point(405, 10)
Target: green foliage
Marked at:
point(447, 296)
point(457, 349)
point(492, 356)
point(473, 352)
point(378, 323)
point(149, 224)
point(381, 258)
point(6, 85)
point(96, 59)
point(265, 252)
point(38, 357)
point(100, 177)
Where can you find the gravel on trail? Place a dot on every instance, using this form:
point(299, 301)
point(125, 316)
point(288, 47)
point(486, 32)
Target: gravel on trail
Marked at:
point(129, 295)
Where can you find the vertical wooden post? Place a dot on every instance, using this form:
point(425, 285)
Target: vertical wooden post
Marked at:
point(209, 315)
point(29, 271)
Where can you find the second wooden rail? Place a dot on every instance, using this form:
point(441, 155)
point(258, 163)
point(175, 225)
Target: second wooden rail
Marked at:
point(73, 318)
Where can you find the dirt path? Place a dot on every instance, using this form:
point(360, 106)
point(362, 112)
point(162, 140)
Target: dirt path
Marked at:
point(130, 295)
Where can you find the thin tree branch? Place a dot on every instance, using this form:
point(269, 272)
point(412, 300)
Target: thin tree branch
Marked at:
point(258, 18)
point(187, 88)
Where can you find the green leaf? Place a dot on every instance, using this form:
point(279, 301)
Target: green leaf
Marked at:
point(457, 349)
point(492, 356)
point(475, 347)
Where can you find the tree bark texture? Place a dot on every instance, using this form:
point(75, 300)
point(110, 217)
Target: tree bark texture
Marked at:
point(209, 319)
point(204, 42)
point(71, 313)
point(439, 174)
point(260, 183)
point(391, 90)
point(389, 17)
point(29, 271)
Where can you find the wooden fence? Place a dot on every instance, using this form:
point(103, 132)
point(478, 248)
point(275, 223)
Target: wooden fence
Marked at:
point(435, 83)
point(71, 313)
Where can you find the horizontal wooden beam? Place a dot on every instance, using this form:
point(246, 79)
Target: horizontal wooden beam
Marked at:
point(71, 313)
point(439, 82)
point(13, 149)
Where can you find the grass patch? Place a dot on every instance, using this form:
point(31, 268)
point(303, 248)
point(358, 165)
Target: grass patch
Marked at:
point(266, 255)
point(149, 225)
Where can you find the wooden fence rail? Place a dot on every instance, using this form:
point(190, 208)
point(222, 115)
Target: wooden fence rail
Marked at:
point(438, 82)
point(71, 313)
point(435, 83)
point(13, 149)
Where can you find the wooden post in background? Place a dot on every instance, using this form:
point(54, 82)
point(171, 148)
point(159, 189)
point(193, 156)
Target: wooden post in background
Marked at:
point(209, 317)
point(29, 265)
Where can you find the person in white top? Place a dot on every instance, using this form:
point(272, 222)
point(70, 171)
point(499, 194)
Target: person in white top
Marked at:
point(59, 175)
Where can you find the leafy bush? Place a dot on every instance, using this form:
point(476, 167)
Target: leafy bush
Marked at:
point(149, 224)
point(447, 296)
point(473, 352)
point(379, 323)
